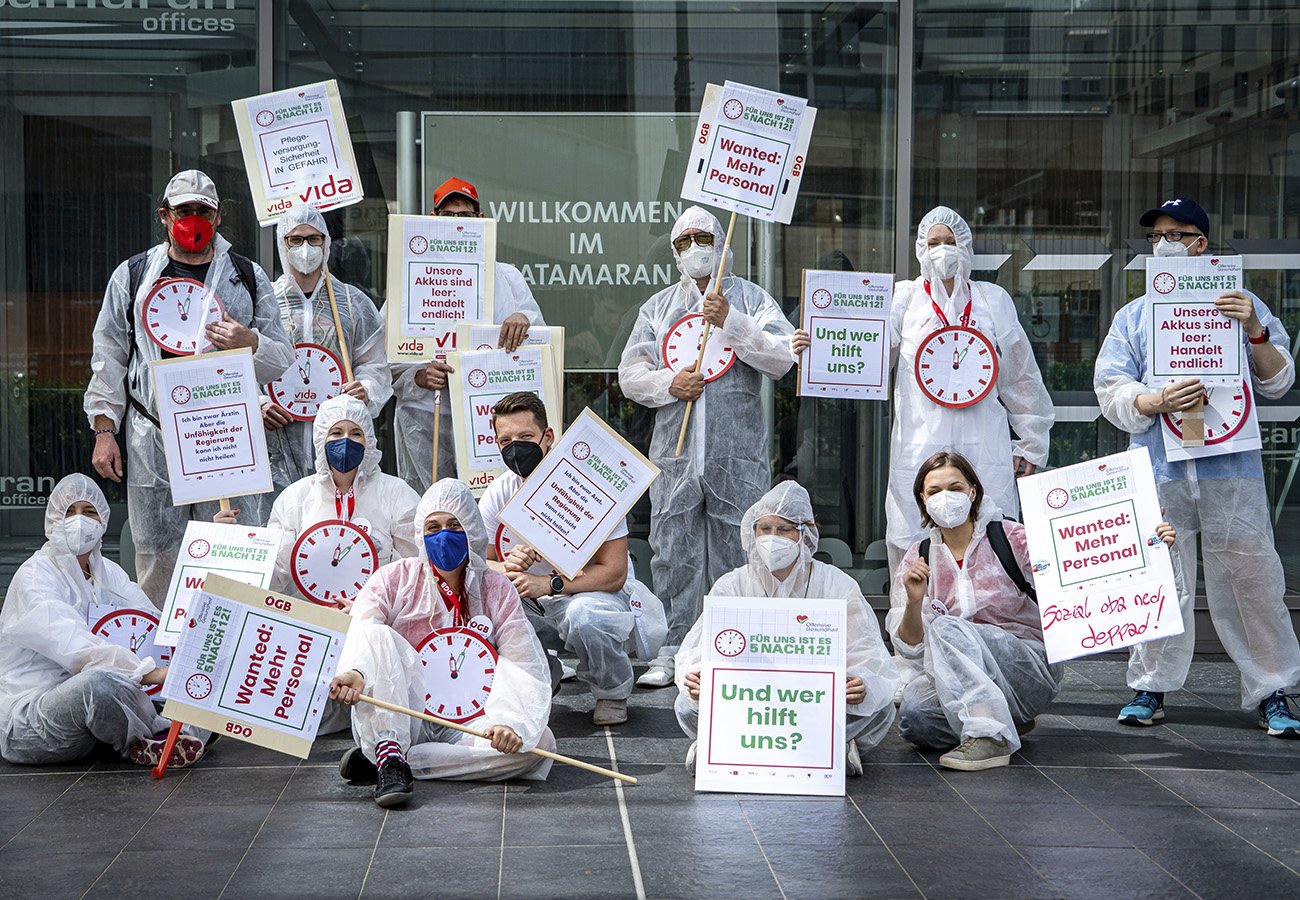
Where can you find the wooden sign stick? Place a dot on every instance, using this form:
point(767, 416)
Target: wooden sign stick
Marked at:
point(704, 341)
point(437, 429)
point(567, 760)
point(1194, 424)
point(338, 328)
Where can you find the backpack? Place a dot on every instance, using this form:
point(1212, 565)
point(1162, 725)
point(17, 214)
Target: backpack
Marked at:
point(1002, 549)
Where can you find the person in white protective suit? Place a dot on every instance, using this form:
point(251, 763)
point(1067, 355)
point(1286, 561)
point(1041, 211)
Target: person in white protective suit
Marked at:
point(120, 396)
point(304, 244)
point(448, 586)
point(63, 688)
point(779, 536)
point(417, 386)
point(1219, 498)
point(697, 500)
point(592, 616)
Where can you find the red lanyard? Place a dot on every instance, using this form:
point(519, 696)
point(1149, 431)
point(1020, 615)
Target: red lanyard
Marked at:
point(338, 504)
point(965, 316)
point(449, 597)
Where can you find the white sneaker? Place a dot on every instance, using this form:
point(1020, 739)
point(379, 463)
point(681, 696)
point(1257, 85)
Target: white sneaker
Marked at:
point(852, 760)
point(567, 672)
point(690, 757)
point(660, 674)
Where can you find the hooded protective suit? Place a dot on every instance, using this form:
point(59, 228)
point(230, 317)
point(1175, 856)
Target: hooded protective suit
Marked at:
point(984, 665)
point(384, 505)
point(414, 414)
point(982, 433)
point(698, 498)
point(865, 655)
point(308, 319)
point(1221, 499)
point(156, 525)
point(398, 608)
point(62, 687)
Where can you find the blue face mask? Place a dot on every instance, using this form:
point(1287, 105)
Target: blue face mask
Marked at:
point(447, 549)
point(344, 454)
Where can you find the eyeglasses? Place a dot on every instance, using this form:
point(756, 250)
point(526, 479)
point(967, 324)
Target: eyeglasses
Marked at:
point(785, 530)
point(704, 239)
point(297, 240)
point(467, 214)
point(198, 209)
point(1172, 236)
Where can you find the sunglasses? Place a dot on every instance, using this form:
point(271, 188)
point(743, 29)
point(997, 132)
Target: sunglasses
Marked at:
point(704, 239)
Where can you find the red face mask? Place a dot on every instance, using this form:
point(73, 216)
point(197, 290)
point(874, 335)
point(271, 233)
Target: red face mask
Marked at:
point(192, 233)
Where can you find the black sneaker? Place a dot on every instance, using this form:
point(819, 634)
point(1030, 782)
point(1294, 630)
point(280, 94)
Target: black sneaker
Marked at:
point(395, 783)
point(354, 767)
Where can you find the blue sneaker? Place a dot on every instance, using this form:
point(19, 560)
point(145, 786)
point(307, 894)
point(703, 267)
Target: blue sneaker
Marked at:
point(1275, 715)
point(1146, 708)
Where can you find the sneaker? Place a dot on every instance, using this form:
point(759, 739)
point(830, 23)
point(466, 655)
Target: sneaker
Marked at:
point(354, 767)
point(690, 756)
point(898, 695)
point(852, 760)
point(1275, 715)
point(1146, 708)
point(148, 751)
point(977, 754)
point(660, 674)
point(567, 672)
point(610, 712)
point(396, 783)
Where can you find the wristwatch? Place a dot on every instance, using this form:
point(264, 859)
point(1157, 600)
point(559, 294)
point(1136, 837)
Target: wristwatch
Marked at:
point(557, 584)
point(1262, 339)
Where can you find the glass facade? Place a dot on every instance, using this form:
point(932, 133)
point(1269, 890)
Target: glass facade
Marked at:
point(1049, 125)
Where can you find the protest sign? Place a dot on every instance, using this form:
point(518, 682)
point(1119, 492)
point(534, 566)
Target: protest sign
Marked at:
point(255, 665)
point(315, 376)
point(234, 551)
point(441, 271)
point(297, 150)
point(1188, 336)
point(486, 337)
point(482, 378)
point(1103, 577)
point(750, 151)
point(772, 708)
point(211, 422)
point(133, 629)
point(1231, 425)
point(584, 487)
point(846, 315)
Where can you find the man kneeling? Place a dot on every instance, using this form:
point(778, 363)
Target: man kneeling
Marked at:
point(449, 586)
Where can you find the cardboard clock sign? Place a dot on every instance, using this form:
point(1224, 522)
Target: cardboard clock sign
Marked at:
point(177, 313)
point(681, 348)
point(332, 560)
point(1231, 425)
point(506, 539)
point(315, 376)
point(134, 629)
point(956, 366)
point(459, 665)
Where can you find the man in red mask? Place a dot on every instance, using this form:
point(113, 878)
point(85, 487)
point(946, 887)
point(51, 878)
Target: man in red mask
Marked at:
point(132, 330)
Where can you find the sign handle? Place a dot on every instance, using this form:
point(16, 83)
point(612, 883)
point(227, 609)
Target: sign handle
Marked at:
point(224, 503)
point(704, 341)
point(338, 327)
point(1194, 424)
point(437, 429)
point(567, 760)
point(172, 734)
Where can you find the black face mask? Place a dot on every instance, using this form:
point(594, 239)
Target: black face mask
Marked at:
point(522, 457)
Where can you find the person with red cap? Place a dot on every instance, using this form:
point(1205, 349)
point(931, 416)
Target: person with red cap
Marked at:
point(417, 386)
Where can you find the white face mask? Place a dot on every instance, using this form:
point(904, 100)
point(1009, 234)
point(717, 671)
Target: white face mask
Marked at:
point(1171, 248)
point(776, 552)
point(78, 534)
point(946, 259)
point(698, 262)
point(948, 509)
point(306, 258)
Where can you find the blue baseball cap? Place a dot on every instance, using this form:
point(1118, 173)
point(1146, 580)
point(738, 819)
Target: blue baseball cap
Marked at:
point(1188, 212)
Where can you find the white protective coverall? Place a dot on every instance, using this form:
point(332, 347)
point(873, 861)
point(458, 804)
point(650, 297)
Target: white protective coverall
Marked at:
point(595, 626)
point(308, 319)
point(1221, 499)
point(865, 656)
point(62, 687)
point(697, 500)
point(414, 414)
point(157, 526)
point(982, 433)
point(398, 608)
point(984, 667)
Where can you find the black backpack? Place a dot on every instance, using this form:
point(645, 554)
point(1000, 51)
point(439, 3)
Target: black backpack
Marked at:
point(1002, 548)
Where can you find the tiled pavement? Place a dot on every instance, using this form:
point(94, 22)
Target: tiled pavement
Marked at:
point(1206, 805)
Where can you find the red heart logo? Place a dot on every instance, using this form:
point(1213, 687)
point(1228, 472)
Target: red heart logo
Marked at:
point(460, 227)
point(780, 100)
point(221, 371)
point(1102, 467)
point(1214, 262)
point(302, 93)
point(252, 534)
point(866, 281)
point(801, 619)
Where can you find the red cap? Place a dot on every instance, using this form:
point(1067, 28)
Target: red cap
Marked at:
point(454, 186)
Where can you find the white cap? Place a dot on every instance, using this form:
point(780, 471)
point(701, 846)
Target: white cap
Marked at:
point(191, 186)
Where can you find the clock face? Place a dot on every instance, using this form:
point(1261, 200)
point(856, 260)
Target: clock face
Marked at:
point(1226, 411)
point(198, 686)
point(956, 366)
point(733, 109)
point(477, 378)
point(1164, 283)
point(134, 629)
point(198, 548)
point(729, 642)
point(458, 666)
point(821, 298)
point(681, 348)
point(505, 539)
point(1057, 498)
point(266, 118)
point(177, 311)
point(332, 560)
point(180, 394)
point(419, 244)
point(315, 377)
point(581, 450)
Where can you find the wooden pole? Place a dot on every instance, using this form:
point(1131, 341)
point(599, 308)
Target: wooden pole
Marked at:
point(567, 760)
point(338, 327)
point(1194, 424)
point(224, 503)
point(704, 341)
point(437, 429)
